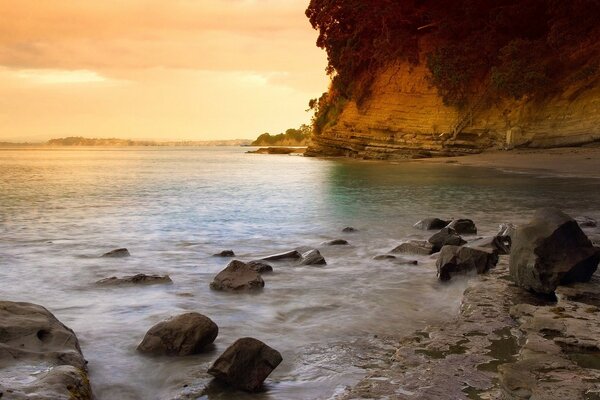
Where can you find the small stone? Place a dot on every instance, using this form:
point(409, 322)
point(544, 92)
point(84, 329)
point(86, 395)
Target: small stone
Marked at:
point(336, 242)
point(225, 253)
point(348, 229)
point(117, 253)
point(312, 257)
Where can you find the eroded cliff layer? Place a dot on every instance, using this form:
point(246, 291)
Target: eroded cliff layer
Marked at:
point(404, 117)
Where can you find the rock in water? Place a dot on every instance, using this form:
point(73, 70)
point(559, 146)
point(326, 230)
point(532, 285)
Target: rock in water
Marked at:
point(463, 226)
point(349, 229)
point(288, 255)
point(384, 257)
point(185, 334)
point(460, 260)
point(117, 253)
point(246, 364)
point(429, 224)
point(586, 222)
point(500, 244)
point(336, 242)
point(260, 266)
point(551, 250)
point(39, 356)
point(312, 257)
point(225, 253)
point(446, 236)
point(237, 276)
point(138, 279)
point(421, 247)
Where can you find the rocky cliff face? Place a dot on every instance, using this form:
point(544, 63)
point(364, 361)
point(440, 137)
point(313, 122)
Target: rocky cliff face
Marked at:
point(404, 117)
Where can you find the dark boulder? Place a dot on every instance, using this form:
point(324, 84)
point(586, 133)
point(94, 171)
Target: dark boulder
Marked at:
point(312, 257)
point(551, 250)
point(237, 276)
point(288, 255)
point(336, 242)
point(586, 222)
point(461, 260)
point(349, 229)
point(446, 237)
point(500, 244)
point(117, 253)
point(138, 279)
point(185, 334)
point(246, 364)
point(429, 224)
point(420, 247)
point(225, 253)
point(260, 266)
point(463, 226)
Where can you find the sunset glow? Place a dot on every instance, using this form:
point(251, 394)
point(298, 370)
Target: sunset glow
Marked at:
point(147, 69)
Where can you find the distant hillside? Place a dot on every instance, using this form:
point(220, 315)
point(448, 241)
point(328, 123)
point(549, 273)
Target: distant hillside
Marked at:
point(291, 137)
point(113, 142)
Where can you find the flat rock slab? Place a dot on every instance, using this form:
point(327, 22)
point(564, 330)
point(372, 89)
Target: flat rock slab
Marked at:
point(40, 358)
point(288, 255)
point(238, 276)
point(185, 334)
point(117, 253)
point(246, 364)
point(138, 279)
point(419, 247)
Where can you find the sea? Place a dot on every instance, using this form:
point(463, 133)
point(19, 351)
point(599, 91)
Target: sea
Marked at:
point(174, 208)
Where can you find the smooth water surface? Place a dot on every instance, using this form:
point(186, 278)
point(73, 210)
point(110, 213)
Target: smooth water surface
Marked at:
point(60, 209)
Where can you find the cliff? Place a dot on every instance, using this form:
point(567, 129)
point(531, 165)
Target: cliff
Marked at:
point(404, 116)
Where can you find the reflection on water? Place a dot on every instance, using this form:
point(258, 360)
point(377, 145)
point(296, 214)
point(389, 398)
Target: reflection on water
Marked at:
point(174, 208)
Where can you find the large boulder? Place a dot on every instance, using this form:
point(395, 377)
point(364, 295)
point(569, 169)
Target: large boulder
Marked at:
point(237, 276)
point(551, 250)
point(312, 257)
point(138, 279)
point(117, 253)
point(460, 260)
point(246, 364)
point(185, 334)
point(463, 226)
point(446, 237)
point(40, 358)
point(430, 224)
point(420, 247)
point(288, 255)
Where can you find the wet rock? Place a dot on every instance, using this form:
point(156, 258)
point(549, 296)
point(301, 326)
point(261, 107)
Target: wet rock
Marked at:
point(312, 257)
point(260, 266)
point(384, 257)
point(551, 250)
point(289, 255)
point(429, 224)
point(117, 253)
point(185, 334)
point(446, 237)
point(246, 364)
point(138, 279)
point(398, 260)
point(349, 229)
point(455, 260)
point(225, 253)
point(500, 244)
point(463, 226)
point(336, 242)
point(237, 276)
point(420, 247)
point(40, 358)
point(586, 222)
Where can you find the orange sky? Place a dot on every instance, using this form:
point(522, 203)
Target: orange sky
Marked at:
point(156, 69)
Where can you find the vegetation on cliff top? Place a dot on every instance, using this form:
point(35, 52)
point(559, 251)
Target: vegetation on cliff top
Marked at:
point(291, 137)
point(514, 47)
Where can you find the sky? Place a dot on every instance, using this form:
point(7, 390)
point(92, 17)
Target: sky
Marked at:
point(156, 69)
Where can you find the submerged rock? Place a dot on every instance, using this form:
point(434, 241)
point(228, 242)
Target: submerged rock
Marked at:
point(225, 253)
point(246, 364)
point(349, 229)
point(312, 257)
point(336, 242)
point(138, 279)
point(446, 237)
point(237, 276)
point(398, 260)
point(288, 255)
point(455, 260)
point(551, 250)
point(185, 334)
point(586, 222)
point(117, 253)
point(463, 226)
point(260, 266)
point(32, 339)
point(384, 257)
point(420, 247)
point(429, 224)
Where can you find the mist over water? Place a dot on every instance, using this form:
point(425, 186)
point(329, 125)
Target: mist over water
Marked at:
point(173, 208)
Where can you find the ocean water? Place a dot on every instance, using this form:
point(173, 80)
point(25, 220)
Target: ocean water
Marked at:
point(60, 209)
